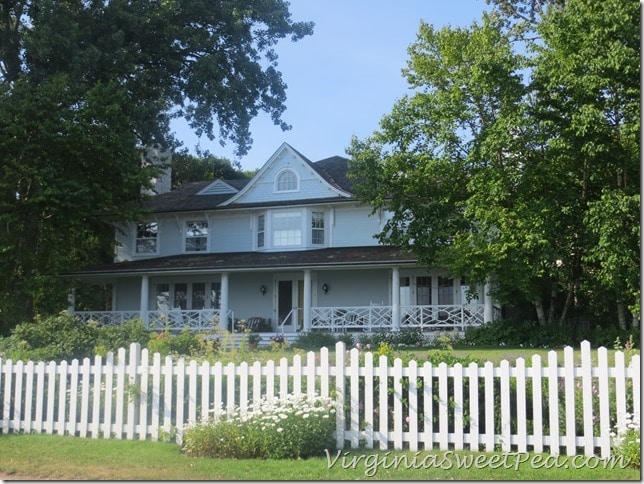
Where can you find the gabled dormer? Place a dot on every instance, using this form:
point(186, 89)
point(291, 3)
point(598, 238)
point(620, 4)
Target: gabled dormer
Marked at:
point(288, 176)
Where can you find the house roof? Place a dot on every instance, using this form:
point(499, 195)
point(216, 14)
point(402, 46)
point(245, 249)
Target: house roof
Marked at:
point(186, 199)
point(245, 261)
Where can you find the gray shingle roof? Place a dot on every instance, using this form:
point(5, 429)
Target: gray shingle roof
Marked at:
point(319, 258)
point(185, 198)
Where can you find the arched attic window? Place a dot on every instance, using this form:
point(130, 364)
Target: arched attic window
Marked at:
point(286, 181)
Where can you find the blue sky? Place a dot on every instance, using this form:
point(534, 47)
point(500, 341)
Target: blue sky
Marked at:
point(343, 78)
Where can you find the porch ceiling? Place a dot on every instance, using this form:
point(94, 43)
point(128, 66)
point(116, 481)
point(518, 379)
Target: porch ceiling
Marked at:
point(245, 261)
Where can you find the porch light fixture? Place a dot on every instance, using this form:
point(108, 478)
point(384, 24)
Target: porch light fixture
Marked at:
point(325, 287)
point(262, 289)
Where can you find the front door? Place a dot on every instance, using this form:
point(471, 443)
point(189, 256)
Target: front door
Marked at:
point(290, 302)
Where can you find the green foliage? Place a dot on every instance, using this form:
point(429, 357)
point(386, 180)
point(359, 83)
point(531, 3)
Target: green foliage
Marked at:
point(518, 163)
point(403, 338)
point(314, 340)
point(188, 168)
point(59, 337)
point(83, 87)
point(293, 428)
point(532, 334)
point(186, 343)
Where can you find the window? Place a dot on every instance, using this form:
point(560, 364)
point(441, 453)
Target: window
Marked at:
point(445, 291)
point(163, 297)
point(261, 228)
point(286, 181)
point(146, 238)
point(198, 295)
point(287, 228)
point(181, 296)
point(317, 228)
point(423, 290)
point(196, 236)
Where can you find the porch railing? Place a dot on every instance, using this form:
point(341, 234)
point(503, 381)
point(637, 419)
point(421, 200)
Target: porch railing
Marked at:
point(172, 320)
point(374, 318)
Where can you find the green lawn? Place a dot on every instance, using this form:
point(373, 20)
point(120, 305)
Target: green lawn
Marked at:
point(75, 458)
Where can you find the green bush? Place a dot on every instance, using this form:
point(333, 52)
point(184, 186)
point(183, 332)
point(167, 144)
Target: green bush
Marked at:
point(58, 337)
point(186, 343)
point(314, 340)
point(293, 428)
point(111, 338)
point(626, 440)
point(532, 334)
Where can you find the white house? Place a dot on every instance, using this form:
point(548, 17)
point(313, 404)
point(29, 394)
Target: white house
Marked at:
point(291, 246)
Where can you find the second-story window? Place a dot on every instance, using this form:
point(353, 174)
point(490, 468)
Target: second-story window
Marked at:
point(261, 230)
point(287, 228)
point(286, 181)
point(146, 238)
point(317, 228)
point(196, 236)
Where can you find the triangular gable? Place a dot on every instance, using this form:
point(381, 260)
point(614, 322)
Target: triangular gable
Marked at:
point(259, 188)
point(218, 187)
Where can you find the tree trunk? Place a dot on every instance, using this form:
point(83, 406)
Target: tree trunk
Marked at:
point(621, 314)
point(541, 315)
point(564, 312)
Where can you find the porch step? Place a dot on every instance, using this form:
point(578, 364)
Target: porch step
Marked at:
point(235, 339)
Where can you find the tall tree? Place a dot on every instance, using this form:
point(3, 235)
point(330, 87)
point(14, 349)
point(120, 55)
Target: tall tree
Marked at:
point(204, 166)
point(85, 86)
point(493, 166)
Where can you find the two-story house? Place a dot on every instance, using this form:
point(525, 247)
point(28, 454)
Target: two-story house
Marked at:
point(291, 246)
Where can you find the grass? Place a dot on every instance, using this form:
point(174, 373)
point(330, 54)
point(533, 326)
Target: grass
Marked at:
point(37, 457)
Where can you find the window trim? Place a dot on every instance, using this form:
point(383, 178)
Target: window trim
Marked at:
point(315, 229)
point(276, 187)
point(137, 238)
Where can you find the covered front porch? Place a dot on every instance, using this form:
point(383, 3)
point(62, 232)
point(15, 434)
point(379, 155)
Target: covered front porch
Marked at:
point(339, 290)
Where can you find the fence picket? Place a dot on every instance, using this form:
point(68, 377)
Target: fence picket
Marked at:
point(458, 406)
point(85, 387)
point(155, 421)
point(522, 434)
point(443, 423)
point(75, 399)
point(354, 397)
point(369, 377)
point(192, 391)
point(108, 395)
point(29, 395)
point(537, 404)
point(620, 387)
point(95, 424)
point(604, 396)
point(178, 402)
point(489, 406)
point(587, 397)
point(339, 391)
point(428, 404)
point(6, 412)
point(506, 418)
point(473, 376)
point(120, 389)
point(569, 393)
point(383, 404)
point(413, 405)
point(205, 390)
point(553, 402)
point(17, 409)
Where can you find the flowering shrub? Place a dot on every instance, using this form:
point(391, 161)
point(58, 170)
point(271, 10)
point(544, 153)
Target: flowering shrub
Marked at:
point(293, 428)
point(626, 440)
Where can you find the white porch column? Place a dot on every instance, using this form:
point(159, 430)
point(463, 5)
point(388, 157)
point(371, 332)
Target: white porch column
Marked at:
point(223, 308)
point(307, 300)
point(488, 307)
point(71, 301)
point(395, 299)
point(145, 297)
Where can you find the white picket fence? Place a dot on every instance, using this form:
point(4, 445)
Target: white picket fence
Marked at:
point(515, 408)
